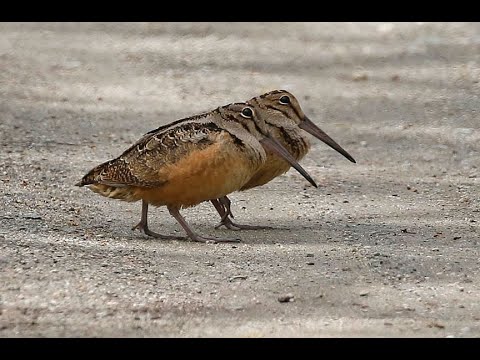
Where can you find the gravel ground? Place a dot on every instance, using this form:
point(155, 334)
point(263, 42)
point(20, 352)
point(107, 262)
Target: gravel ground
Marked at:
point(387, 247)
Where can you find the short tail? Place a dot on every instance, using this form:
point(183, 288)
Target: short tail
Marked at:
point(85, 181)
point(100, 183)
point(93, 176)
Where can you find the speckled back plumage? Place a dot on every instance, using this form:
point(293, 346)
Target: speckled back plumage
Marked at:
point(161, 156)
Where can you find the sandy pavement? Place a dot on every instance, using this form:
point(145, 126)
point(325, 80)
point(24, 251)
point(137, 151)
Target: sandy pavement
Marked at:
point(385, 247)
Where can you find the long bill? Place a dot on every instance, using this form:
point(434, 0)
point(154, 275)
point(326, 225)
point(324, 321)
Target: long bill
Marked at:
point(274, 146)
point(313, 129)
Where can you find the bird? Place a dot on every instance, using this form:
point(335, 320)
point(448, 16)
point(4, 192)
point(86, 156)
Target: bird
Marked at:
point(288, 124)
point(188, 161)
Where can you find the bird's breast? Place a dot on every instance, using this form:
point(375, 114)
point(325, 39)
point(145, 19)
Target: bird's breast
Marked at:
point(298, 146)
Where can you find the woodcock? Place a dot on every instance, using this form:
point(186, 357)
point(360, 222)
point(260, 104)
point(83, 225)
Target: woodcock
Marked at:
point(186, 162)
point(288, 124)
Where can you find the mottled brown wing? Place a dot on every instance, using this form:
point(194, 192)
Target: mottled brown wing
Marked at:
point(144, 162)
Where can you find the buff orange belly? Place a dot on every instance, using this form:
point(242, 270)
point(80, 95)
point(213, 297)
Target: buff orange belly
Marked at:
point(202, 175)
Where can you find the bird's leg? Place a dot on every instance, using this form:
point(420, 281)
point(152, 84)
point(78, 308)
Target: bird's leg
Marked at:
point(143, 226)
point(174, 211)
point(220, 208)
point(223, 214)
point(225, 201)
point(223, 208)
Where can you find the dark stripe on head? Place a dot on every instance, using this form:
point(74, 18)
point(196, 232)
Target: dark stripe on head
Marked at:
point(284, 113)
point(230, 117)
point(273, 92)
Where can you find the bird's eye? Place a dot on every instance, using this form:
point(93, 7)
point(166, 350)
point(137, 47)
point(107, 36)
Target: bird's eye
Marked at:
point(247, 113)
point(284, 100)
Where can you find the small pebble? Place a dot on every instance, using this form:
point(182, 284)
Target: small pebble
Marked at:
point(363, 293)
point(286, 298)
point(32, 216)
point(238, 277)
point(360, 77)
